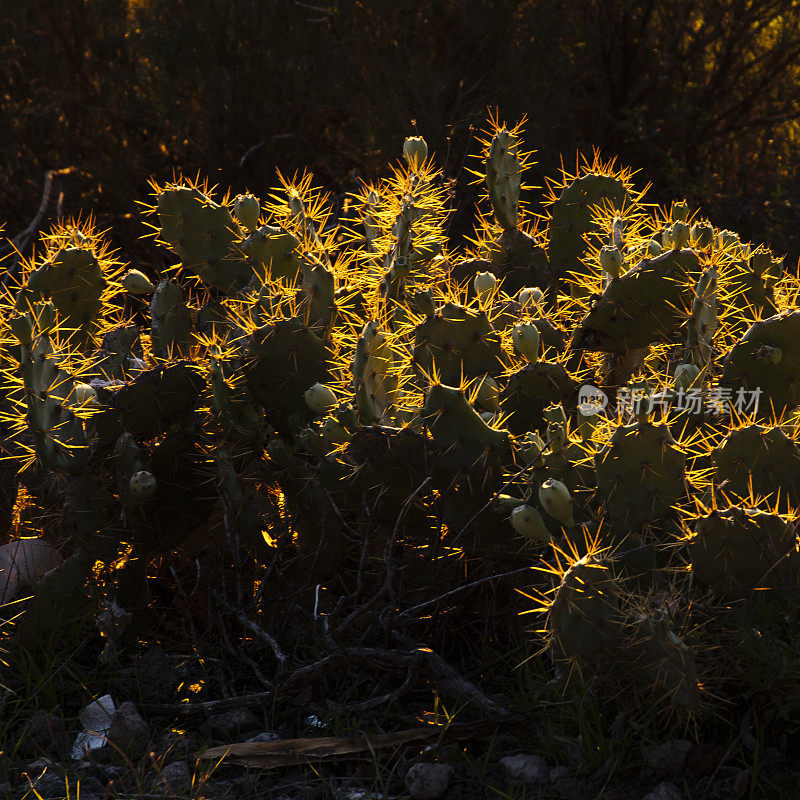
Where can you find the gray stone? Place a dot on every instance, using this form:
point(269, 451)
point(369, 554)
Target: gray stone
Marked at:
point(266, 736)
point(48, 785)
point(428, 781)
point(233, 723)
point(668, 758)
point(570, 788)
point(43, 734)
point(129, 731)
point(527, 767)
point(176, 776)
point(664, 791)
point(90, 785)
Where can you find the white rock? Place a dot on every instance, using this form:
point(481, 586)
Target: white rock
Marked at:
point(664, 791)
point(96, 720)
point(23, 563)
point(668, 758)
point(527, 767)
point(428, 781)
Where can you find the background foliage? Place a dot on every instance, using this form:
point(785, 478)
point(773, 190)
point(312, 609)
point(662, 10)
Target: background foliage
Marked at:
point(699, 94)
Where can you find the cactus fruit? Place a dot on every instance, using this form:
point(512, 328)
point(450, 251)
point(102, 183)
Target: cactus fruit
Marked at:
point(320, 398)
point(136, 282)
point(247, 210)
point(685, 376)
point(525, 337)
point(530, 296)
point(701, 235)
point(415, 151)
point(611, 260)
point(484, 284)
point(556, 501)
point(680, 235)
point(142, 485)
point(528, 522)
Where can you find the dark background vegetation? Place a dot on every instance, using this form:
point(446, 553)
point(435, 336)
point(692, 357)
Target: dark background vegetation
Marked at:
point(701, 95)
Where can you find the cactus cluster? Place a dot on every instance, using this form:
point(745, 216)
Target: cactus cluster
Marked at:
point(373, 378)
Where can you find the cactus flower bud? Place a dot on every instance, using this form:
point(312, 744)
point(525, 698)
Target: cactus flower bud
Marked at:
point(611, 260)
point(247, 210)
point(46, 316)
point(685, 376)
point(320, 398)
point(667, 241)
point(488, 394)
point(680, 211)
point(532, 449)
point(728, 240)
point(142, 485)
point(556, 501)
point(654, 248)
point(528, 522)
point(484, 283)
point(22, 327)
point(702, 235)
point(423, 300)
point(587, 420)
point(525, 338)
point(680, 235)
point(334, 432)
point(530, 296)
point(415, 151)
point(137, 282)
point(760, 262)
point(84, 394)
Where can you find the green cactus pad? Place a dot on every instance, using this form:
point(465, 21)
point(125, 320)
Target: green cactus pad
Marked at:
point(584, 620)
point(739, 549)
point(645, 305)
point(748, 368)
point(571, 219)
point(157, 398)
point(765, 459)
point(457, 341)
point(203, 234)
point(73, 280)
point(171, 320)
point(528, 392)
point(463, 440)
point(640, 474)
point(282, 359)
